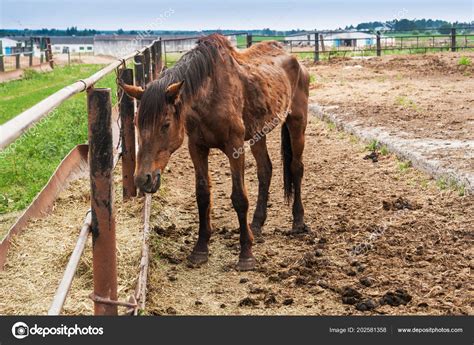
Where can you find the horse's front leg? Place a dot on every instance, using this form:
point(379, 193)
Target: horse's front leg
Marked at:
point(241, 204)
point(199, 156)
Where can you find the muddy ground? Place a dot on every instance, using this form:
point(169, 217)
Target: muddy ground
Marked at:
point(383, 240)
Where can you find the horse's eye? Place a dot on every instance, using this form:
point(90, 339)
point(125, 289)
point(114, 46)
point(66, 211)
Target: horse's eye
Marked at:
point(165, 127)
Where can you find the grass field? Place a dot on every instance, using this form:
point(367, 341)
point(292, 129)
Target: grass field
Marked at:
point(27, 164)
point(19, 95)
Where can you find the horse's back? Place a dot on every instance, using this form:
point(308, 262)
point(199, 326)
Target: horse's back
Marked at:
point(270, 77)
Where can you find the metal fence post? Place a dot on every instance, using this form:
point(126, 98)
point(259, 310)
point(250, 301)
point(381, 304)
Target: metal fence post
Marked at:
point(127, 132)
point(453, 39)
point(101, 161)
point(17, 56)
point(147, 65)
point(379, 46)
point(249, 40)
point(316, 46)
point(2, 64)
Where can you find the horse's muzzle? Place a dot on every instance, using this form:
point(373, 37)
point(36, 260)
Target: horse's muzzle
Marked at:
point(149, 182)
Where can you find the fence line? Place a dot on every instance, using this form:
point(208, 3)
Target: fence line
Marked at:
point(316, 43)
point(100, 221)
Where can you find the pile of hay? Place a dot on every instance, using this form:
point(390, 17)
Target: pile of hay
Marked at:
point(38, 257)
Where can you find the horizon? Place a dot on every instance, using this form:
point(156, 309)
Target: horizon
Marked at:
point(211, 15)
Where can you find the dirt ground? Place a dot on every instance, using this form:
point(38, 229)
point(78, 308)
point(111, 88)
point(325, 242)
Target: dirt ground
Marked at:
point(62, 59)
point(424, 95)
point(421, 102)
point(383, 241)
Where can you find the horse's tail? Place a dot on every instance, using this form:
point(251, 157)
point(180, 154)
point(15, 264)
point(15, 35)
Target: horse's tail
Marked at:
point(287, 157)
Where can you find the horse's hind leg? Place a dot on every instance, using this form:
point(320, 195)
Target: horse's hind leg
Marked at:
point(296, 124)
point(264, 172)
point(241, 204)
point(199, 156)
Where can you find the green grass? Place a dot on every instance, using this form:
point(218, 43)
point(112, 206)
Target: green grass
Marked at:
point(373, 145)
point(445, 183)
point(403, 166)
point(406, 103)
point(172, 58)
point(19, 95)
point(464, 61)
point(384, 150)
point(27, 164)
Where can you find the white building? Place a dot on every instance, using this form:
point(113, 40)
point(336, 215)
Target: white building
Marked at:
point(339, 40)
point(8, 45)
point(75, 44)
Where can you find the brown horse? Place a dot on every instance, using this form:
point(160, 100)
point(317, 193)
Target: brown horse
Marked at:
point(221, 98)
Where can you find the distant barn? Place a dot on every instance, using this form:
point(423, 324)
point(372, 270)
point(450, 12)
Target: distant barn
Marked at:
point(335, 39)
point(73, 44)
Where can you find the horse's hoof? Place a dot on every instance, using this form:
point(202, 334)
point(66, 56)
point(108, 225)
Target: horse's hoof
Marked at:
point(300, 229)
point(198, 258)
point(246, 264)
point(256, 231)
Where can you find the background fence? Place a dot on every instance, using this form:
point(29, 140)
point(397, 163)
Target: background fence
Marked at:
point(327, 44)
point(324, 45)
point(25, 55)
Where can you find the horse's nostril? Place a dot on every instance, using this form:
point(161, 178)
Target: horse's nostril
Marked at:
point(148, 179)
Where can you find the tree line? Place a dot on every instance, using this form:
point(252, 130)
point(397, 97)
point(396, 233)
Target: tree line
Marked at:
point(420, 25)
point(414, 25)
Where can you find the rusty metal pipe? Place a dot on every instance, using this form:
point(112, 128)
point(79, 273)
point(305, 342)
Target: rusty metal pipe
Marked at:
point(103, 216)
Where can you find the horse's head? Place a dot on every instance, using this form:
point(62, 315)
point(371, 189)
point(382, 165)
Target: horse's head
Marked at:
point(160, 130)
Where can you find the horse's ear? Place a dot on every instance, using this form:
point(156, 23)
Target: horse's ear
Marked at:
point(173, 91)
point(132, 91)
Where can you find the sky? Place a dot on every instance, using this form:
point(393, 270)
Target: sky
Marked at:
point(228, 14)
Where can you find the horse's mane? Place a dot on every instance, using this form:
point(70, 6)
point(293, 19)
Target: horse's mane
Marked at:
point(194, 68)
